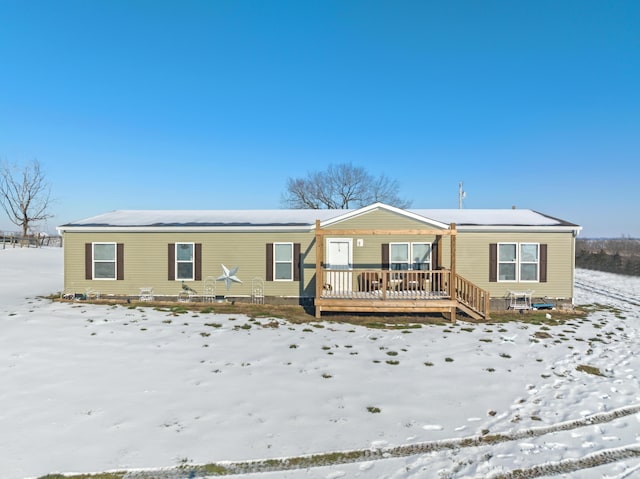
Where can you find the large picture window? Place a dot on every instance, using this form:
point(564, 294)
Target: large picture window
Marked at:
point(185, 261)
point(518, 262)
point(410, 256)
point(283, 261)
point(104, 261)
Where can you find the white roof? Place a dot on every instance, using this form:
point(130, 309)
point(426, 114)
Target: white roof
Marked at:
point(207, 218)
point(488, 217)
point(305, 219)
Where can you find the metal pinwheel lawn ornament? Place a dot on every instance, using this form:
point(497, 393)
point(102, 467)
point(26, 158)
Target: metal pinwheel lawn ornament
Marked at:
point(229, 276)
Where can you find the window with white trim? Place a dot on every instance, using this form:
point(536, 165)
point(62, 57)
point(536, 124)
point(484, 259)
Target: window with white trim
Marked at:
point(421, 254)
point(410, 256)
point(185, 261)
point(507, 261)
point(529, 261)
point(398, 256)
point(283, 261)
point(519, 262)
point(104, 260)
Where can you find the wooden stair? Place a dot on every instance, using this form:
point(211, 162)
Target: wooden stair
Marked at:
point(471, 299)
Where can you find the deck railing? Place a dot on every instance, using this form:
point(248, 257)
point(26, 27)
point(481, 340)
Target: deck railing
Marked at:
point(385, 284)
point(472, 296)
point(381, 285)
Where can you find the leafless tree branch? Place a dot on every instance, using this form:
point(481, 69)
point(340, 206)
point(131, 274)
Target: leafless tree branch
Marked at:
point(24, 195)
point(340, 187)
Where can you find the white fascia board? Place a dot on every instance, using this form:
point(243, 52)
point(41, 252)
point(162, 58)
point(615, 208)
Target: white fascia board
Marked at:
point(348, 214)
point(393, 209)
point(530, 229)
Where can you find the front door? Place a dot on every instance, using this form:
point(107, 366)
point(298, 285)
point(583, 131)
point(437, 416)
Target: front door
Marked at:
point(339, 263)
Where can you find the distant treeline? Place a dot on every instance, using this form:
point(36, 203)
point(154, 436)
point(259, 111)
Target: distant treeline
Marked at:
point(621, 256)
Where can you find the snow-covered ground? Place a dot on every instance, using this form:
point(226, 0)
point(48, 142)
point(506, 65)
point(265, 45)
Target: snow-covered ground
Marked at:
point(87, 388)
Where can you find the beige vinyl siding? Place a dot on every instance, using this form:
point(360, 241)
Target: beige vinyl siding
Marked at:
point(146, 262)
point(473, 262)
point(145, 257)
point(445, 251)
point(380, 219)
point(369, 255)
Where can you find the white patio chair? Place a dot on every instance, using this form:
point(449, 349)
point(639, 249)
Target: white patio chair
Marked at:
point(209, 289)
point(146, 294)
point(257, 290)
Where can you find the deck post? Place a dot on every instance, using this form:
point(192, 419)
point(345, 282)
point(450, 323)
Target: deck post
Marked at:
point(454, 276)
point(487, 304)
point(454, 233)
point(319, 256)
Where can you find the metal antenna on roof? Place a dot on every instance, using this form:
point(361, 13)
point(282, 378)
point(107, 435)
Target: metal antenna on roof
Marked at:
point(461, 195)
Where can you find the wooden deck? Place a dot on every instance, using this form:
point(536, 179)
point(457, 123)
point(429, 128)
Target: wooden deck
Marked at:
point(386, 291)
point(380, 291)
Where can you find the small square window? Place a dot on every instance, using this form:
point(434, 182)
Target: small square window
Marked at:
point(507, 272)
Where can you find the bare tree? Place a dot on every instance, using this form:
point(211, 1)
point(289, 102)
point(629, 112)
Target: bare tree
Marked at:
point(340, 187)
point(24, 195)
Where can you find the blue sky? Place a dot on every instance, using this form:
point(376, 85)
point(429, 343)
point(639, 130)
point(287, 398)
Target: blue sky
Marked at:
point(214, 104)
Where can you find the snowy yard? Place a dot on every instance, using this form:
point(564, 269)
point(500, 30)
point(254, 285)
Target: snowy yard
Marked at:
point(88, 388)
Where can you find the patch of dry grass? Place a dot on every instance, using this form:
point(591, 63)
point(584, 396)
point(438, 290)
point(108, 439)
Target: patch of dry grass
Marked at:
point(299, 314)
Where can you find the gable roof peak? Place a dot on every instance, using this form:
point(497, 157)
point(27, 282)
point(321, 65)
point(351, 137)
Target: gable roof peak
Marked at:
point(383, 206)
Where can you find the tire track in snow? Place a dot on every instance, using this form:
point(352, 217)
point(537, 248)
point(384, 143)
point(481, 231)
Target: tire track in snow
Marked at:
point(594, 459)
point(371, 454)
point(607, 292)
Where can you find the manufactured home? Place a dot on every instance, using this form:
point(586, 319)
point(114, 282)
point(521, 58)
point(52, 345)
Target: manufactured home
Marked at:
point(373, 259)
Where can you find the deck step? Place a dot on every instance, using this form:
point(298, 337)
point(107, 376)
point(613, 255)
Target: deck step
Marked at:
point(471, 312)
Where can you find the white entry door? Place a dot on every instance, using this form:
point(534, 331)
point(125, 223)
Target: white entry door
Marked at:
point(339, 264)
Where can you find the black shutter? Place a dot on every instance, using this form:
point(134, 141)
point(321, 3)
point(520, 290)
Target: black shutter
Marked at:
point(198, 261)
point(88, 261)
point(172, 262)
point(296, 261)
point(493, 262)
point(543, 263)
point(435, 251)
point(269, 265)
point(385, 256)
point(120, 261)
